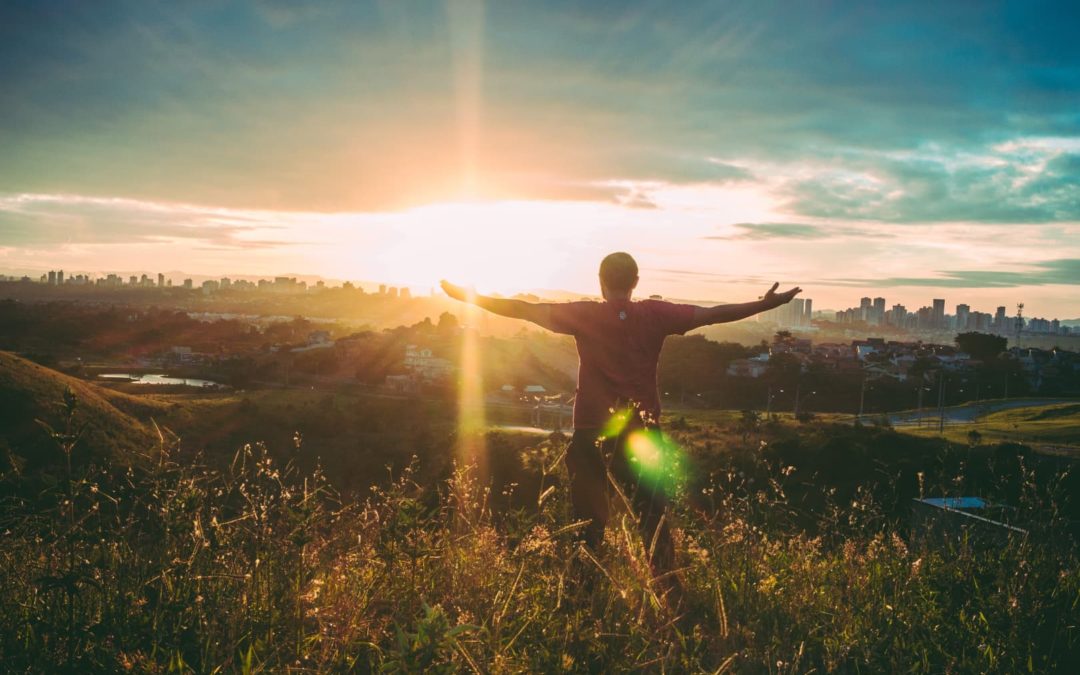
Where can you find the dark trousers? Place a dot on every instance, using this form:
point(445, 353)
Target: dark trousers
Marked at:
point(588, 462)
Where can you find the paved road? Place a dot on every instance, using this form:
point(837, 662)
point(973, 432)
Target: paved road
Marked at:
point(968, 413)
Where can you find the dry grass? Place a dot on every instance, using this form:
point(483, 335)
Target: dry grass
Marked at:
point(179, 568)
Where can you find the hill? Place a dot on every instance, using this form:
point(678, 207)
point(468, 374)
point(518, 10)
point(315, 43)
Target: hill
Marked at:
point(116, 424)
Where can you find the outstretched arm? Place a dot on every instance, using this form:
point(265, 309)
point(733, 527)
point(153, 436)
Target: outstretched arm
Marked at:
point(704, 316)
point(515, 309)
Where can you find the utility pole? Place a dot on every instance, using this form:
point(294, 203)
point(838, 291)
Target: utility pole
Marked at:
point(862, 395)
point(941, 403)
point(1019, 322)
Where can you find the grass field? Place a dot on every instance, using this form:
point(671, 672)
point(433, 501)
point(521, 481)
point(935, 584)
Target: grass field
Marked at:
point(1056, 425)
point(266, 555)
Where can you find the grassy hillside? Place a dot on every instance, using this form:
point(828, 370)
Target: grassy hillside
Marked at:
point(353, 437)
point(114, 424)
point(1056, 425)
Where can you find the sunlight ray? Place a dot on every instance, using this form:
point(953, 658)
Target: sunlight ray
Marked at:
point(471, 446)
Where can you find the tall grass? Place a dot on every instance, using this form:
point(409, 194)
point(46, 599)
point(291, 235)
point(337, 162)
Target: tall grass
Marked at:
point(176, 567)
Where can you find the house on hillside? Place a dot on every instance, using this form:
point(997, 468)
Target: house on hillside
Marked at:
point(319, 339)
point(401, 384)
point(755, 366)
point(424, 364)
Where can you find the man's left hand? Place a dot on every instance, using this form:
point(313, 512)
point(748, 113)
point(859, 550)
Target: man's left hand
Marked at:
point(774, 299)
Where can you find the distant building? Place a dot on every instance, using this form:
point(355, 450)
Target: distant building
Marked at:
point(319, 339)
point(938, 319)
point(878, 316)
point(754, 366)
point(426, 365)
point(963, 314)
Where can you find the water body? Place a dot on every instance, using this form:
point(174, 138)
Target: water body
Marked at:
point(159, 380)
point(524, 429)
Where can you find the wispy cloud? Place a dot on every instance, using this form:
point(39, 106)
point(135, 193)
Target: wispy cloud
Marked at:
point(1026, 186)
point(41, 221)
point(1064, 271)
point(765, 231)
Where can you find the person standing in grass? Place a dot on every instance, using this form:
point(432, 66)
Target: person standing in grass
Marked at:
point(617, 406)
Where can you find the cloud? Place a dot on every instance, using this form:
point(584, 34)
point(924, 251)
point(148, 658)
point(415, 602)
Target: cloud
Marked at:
point(355, 107)
point(765, 231)
point(1063, 271)
point(43, 221)
point(711, 277)
point(991, 187)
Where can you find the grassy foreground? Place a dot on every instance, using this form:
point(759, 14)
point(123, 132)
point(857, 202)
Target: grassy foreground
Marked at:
point(175, 567)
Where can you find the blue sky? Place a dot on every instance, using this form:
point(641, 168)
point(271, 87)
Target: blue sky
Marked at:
point(904, 149)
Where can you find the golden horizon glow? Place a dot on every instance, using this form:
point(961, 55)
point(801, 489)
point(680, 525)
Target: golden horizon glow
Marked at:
point(690, 246)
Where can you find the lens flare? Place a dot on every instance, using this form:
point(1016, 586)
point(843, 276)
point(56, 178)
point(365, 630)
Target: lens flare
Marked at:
point(654, 458)
point(617, 423)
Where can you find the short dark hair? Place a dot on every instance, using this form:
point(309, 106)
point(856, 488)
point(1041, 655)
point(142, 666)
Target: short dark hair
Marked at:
point(619, 272)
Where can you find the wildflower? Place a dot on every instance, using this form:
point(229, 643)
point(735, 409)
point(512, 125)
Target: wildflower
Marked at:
point(768, 584)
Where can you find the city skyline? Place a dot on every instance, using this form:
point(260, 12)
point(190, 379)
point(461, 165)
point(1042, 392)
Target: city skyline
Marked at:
point(909, 149)
point(799, 313)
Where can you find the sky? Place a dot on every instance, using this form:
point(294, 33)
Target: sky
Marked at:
point(907, 150)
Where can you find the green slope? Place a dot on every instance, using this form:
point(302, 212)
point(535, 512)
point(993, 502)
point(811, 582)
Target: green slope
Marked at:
point(114, 424)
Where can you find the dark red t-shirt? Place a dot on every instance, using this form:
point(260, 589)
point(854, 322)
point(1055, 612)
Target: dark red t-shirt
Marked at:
point(618, 345)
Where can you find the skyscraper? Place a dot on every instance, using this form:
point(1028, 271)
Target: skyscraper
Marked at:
point(963, 312)
point(899, 316)
point(999, 319)
point(879, 311)
point(938, 318)
point(795, 316)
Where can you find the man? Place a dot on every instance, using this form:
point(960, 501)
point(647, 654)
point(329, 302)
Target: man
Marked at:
point(619, 344)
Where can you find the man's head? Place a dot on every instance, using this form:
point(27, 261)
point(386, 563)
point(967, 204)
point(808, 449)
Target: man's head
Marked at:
point(618, 276)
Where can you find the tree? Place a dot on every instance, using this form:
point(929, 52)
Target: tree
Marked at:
point(749, 422)
point(448, 324)
point(981, 346)
point(783, 369)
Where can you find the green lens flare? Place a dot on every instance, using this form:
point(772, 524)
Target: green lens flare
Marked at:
point(617, 423)
point(654, 458)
